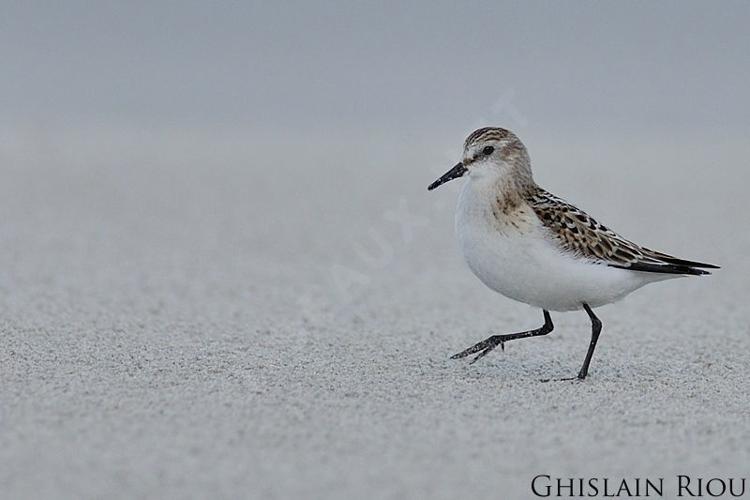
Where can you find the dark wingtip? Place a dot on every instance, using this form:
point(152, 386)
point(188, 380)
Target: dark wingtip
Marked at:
point(669, 259)
point(665, 269)
point(690, 263)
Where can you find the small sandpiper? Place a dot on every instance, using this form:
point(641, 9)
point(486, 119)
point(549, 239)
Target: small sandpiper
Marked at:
point(531, 246)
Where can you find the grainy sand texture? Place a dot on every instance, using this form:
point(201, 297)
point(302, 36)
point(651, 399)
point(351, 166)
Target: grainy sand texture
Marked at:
point(199, 325)
point(222, 275)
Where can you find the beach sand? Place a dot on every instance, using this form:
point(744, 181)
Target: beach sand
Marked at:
point(211, 318)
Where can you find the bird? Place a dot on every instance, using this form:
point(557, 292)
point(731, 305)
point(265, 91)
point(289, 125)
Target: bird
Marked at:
point(531, 246)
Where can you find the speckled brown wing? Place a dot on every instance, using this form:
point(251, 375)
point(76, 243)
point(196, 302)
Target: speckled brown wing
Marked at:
point(580, 234)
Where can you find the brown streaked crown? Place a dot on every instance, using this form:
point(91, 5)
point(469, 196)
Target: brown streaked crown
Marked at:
point(487, 134)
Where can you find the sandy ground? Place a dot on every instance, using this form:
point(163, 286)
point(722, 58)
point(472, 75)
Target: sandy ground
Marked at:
point(192, 319)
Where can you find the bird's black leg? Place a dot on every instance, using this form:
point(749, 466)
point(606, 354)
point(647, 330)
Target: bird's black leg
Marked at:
point(490, 343)
point(596, 329)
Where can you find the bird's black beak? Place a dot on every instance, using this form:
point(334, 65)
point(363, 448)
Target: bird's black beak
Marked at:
point(454, 173)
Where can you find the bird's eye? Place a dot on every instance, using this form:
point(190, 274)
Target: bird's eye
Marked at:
point(488, 150)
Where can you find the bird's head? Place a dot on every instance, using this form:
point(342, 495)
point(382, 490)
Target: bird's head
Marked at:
point(489, 152)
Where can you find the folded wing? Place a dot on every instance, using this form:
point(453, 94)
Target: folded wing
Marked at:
point(578, 233)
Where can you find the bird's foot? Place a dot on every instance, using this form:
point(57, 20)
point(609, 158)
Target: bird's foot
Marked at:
point(565, 379)
point(483, 348)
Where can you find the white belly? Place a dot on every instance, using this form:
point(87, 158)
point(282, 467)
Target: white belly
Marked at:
point(515, 256)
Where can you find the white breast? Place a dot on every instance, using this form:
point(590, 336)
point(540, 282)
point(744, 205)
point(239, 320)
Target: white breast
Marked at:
point(515, 255)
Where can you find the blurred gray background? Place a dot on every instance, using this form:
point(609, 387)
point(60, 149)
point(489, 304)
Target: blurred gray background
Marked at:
point(222, 274)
